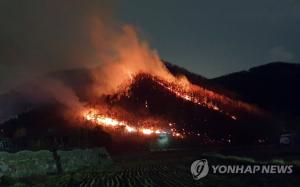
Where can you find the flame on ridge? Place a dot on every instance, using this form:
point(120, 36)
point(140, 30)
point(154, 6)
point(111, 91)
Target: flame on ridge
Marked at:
point(185, 90)
point(106, 121)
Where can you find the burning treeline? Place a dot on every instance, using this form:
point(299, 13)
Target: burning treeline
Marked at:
point(123, 58)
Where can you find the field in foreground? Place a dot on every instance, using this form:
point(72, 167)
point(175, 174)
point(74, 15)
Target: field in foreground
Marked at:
point(168, 169)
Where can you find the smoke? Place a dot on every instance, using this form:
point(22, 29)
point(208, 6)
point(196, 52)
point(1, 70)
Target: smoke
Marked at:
point(123, 55)
point(38, 37)
point(49, 89)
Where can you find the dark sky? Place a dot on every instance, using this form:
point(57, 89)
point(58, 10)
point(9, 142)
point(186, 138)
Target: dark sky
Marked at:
point(215, 37)
point(208, 37)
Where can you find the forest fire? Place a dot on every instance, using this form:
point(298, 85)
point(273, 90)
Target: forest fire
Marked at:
point(196, 94)
point(183, 90)
point(106, 121)
point(133, 57)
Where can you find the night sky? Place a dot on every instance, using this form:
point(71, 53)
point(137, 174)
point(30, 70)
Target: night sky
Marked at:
point(215, 37)
point(211, 38)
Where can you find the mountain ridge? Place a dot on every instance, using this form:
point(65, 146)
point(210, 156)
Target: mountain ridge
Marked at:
point(273, 86)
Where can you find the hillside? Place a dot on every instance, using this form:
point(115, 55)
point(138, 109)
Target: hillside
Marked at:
point(273, 86)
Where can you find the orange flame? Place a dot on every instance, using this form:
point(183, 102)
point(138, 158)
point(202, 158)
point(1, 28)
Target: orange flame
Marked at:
point(105, 121)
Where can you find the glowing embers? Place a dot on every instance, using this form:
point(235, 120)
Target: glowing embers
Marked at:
point(192, 95)
point(114, 123)
point(130, 129)
point(147, 131)
point(109, 122)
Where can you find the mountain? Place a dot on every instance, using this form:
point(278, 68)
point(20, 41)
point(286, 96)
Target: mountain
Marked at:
point(80, 80)
point(210, 109)
point(211, 118)
point(47, 127)
point(274, 87)
point(198, 79)
point(151, 96)
point(13, 103)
